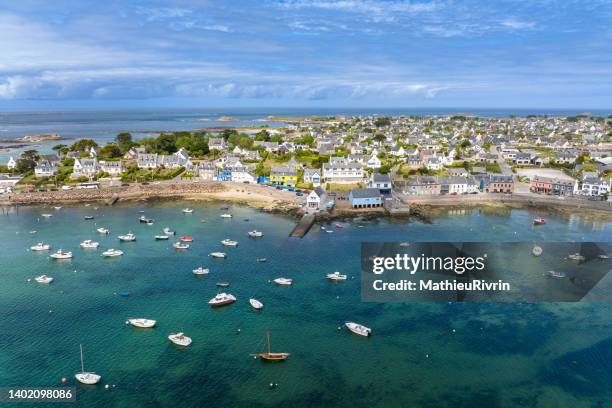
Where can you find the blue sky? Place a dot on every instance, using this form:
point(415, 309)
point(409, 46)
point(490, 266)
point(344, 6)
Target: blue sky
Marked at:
point(117, 54)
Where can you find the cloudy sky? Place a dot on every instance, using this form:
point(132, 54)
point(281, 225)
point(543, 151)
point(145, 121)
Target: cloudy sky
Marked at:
point(503, 53)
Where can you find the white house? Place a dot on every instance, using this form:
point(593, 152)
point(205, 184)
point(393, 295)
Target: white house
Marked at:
point(113, 168)
point(312, 176)
point(593, 187)
point(44, 168)
point(374, 162)
point(147, 160)
point(242, 175)
point(12, 163)
point(316, 199)
point(348, 173)
point(85, 167)
point(433, 163)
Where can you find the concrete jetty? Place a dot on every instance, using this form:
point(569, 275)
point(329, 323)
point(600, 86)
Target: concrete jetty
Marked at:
point(303, 226)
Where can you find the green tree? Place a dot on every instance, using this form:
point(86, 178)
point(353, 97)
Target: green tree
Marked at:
point(83, 145)
point(166, 143)
point(263, 136)
point(110, 151)
point(27, 161)
point(382, 121)
point(124, 141)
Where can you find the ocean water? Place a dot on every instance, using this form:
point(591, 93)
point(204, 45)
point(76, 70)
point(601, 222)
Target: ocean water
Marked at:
point(420, 354)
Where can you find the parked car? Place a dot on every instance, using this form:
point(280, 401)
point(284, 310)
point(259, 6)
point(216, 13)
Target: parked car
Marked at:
point(66, 187)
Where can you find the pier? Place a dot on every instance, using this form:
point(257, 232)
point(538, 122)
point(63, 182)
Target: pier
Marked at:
point(303, 226)
point(111, 201)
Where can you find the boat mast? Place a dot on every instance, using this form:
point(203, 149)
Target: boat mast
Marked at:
point(82, 367)
point(268, 342)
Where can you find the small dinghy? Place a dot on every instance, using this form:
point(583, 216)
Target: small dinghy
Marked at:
point(187, 211)
point(44, 279)
point(359, 329)
point(229, 242)
point(336, 276)
point(603, 257)
point(102, 230)
point(226, 215)
point(40, 247)
point(180, 245)
point(255, 234)
point(223, 284)
point(162, 237)
point(262, 259)
point(200, 271)
point(186, 239)
point(88, 217)
point(283, 281)
point(111, 253)
point(124, 293)
point(539, 221)
point(218, 254)
point(141, 323)
point(556, 274)
point(180, 339)
point(61, 255)
point(576, 257)
point(84, 377)
point(256, 304)
point(89, 244)
point(168, 231)
point(46, 215)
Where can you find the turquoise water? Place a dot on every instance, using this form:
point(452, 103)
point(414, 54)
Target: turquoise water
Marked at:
point(421, 354)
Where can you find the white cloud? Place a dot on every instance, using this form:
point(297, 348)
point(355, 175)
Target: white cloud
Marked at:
point(518, 25)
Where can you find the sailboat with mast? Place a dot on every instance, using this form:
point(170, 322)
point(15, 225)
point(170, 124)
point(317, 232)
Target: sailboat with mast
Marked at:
point(85, 377)
point(269, 356)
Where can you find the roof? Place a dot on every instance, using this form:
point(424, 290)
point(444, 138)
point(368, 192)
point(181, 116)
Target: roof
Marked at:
point(381, 178)
point(365, 193)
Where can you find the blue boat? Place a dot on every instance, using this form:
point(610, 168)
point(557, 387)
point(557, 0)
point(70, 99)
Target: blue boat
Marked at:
point(124, 293)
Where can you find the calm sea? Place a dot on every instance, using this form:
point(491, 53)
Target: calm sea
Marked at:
point(421, 354)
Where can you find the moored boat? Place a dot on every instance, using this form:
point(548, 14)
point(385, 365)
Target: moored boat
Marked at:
point(556, 274)
point(218, 254)
point(89, 244)
point(270, 356)
point(84, 377)
point(336, 276)
point(262, 259)
point(180, 245)
point(111, 253)
point(229, 242)
point(283, 281)
point(168, 231)
point(223, 284)
point(539, 221)
point(255, 234)
point(187, 210)
point(144, 220)
point(61, 255)
point(200, 271)
point(576, 257)
point(180, 339)
point(222, 299)
point(359, 329)
point(40, 247)
point(256, 304)
point(226, 215)
point(127, 237)
point(88, 217)
point(186, 239)
point(43, 279)
point(102, 230)
point(142, 323)
point(162, 237)
point(46, 215)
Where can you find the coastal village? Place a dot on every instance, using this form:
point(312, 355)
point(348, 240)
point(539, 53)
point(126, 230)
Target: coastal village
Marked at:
point(360, 162)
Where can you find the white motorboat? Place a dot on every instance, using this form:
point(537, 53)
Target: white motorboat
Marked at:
point(46, 215)
point(142, 323)
point(336, 276)
point(57, 208)
point(557, 274)
point(226, 215)
point(168, 231)
point(200, 271)
point(576, 257)
point(85, 377)
point(218, 254)
point(187, 210)
point(61, 255)
point(229, 242)
point(43, 279)
point(40, 247)
point(88, 243)
point(283, 281)
point(103, 230)
point(162, 237)
point(180, 339)
point(112, 252)
point(359, 329)
point(256, 304)
point(180, 245)
point(127, 237)
point(222, 299)
point(255, 234)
